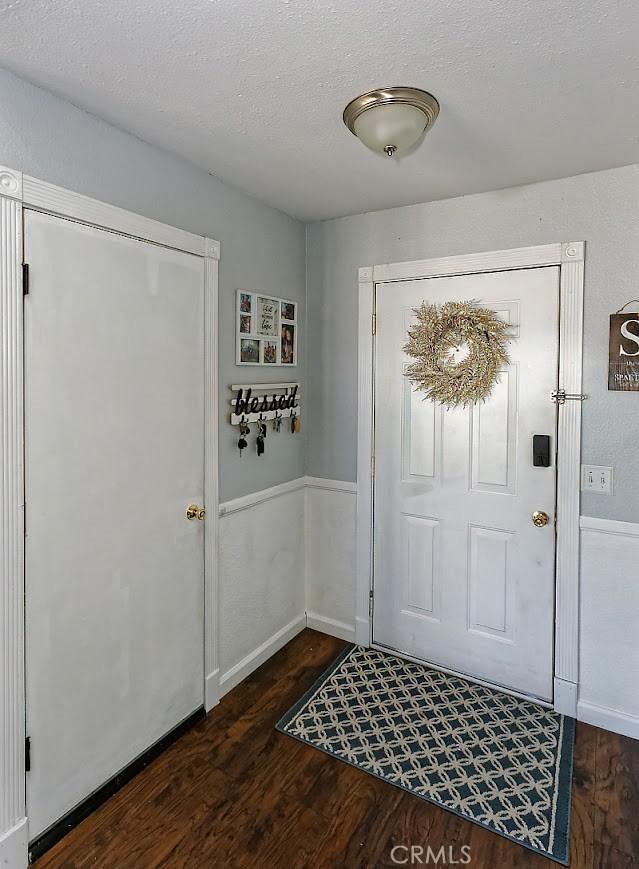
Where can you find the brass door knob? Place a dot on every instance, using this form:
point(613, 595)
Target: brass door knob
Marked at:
point(540, 518)
point(195, 512)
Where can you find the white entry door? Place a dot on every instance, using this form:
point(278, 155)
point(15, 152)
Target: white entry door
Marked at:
point(462, 577)
point(114, 365)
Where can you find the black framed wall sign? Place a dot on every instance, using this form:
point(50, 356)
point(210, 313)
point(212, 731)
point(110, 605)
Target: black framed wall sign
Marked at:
point(623, 352)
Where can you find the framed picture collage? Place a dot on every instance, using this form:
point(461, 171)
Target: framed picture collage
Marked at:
point(266, 330)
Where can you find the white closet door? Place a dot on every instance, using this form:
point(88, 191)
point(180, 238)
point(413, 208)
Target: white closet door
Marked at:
point(463, 578)
point(114, 362)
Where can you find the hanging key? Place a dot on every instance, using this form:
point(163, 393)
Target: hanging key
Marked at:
point(242, 442)
point(261, 435)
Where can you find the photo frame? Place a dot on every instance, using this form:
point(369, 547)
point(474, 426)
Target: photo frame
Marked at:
point(266, 329)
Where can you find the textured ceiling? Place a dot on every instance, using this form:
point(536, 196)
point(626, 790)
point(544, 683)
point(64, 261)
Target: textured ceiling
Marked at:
point(253, 90)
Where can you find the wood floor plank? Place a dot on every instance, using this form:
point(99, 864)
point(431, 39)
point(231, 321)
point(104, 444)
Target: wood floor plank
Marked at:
point(612, 858)
point(234, 792)
point(616, 795)
point(354, 832)
point(422, 831)
point(582, 821)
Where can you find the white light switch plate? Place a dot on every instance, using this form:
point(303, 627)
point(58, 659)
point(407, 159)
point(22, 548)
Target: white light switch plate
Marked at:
point(596, 479)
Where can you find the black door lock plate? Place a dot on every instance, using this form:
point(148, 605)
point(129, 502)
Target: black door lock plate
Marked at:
point(541, 451)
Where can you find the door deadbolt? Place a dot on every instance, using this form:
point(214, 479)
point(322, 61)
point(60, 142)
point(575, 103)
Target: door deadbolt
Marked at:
point(540, 518)
point(195, 512)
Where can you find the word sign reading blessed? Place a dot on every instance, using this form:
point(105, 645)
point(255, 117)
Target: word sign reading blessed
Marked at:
point(247, 403)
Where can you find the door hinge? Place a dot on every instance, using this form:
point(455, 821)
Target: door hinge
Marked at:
point(25, 279)
point(372, 466)
point(27, 754)
point(374, 324)
point(560, 396)
point(371, 599)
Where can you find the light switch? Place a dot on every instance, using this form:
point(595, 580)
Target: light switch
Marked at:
point(596, 479)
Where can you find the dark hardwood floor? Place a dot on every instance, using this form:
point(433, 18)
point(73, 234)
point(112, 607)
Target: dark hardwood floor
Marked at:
point(233, 792)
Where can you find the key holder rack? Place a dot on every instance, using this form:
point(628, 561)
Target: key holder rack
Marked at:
point(255, 402)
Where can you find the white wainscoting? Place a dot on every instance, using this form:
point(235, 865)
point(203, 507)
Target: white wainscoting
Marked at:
point(261, 577)
point(331, 512)
point(609, 634)
point(288, 559)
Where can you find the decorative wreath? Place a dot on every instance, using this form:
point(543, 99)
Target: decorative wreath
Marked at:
point(438, 334)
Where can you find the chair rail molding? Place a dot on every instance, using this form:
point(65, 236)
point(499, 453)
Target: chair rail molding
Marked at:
point(609, 526)
point(245, 502)
point(569, 256)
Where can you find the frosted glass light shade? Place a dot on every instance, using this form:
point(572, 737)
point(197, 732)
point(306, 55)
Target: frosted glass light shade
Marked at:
point(391, 120)
point(393, 125)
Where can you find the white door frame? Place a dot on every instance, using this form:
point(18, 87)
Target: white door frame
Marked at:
point(569, 256)
point(18, 191)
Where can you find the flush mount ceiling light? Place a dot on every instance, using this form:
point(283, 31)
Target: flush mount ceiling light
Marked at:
point(391, 120)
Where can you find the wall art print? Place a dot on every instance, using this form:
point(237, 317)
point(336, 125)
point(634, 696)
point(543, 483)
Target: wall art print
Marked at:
point(266, 329)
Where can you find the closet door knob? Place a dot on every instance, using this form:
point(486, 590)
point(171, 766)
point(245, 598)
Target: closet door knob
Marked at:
point(540, 518)
point(195, 512)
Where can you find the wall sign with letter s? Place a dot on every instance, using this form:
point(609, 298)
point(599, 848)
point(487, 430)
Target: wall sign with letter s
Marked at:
point(623, 353)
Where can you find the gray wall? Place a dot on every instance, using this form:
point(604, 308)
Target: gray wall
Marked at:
point(265, 249)
point(602, 208)
point(261, 248)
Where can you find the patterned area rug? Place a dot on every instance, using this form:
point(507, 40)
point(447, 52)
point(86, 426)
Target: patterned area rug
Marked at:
point(498, 761)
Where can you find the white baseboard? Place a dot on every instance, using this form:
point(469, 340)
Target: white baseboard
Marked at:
point(212, 690)
point(332, 627)
point(608, 719)
point(258, 656)
point(14, 853)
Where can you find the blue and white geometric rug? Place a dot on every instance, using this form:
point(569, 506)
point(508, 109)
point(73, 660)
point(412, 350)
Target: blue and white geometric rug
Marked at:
point(500, 762)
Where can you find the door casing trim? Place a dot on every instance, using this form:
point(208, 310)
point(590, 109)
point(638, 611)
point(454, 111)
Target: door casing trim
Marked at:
point(569, 256)
point(19, 191)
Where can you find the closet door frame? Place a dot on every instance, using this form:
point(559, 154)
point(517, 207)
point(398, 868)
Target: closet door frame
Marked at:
point(18, 192)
